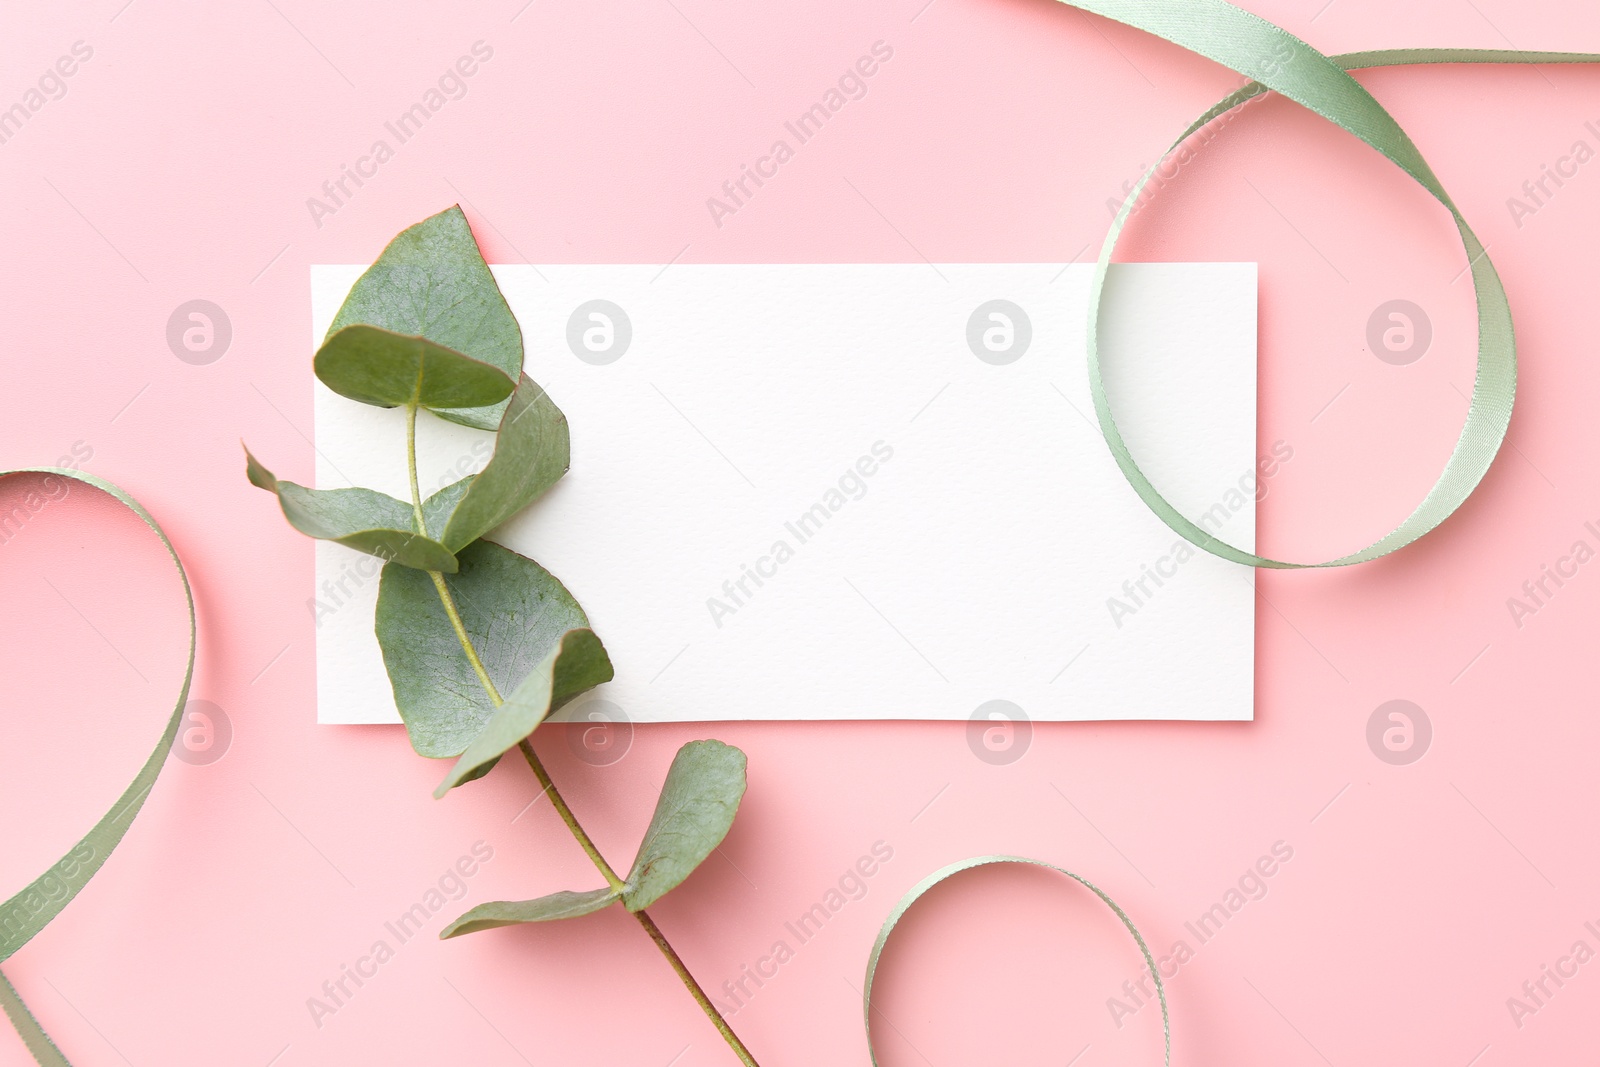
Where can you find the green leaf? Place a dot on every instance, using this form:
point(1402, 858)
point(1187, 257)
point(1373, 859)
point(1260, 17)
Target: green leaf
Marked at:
point(432, 282)
point(562, 905)
point(362, 519)
point(531, 453)
point(576, 665)
point(697, 805)
point(516, 614)
point(389, 369)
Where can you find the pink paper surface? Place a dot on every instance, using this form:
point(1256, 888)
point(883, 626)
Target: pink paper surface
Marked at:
point(175, 164)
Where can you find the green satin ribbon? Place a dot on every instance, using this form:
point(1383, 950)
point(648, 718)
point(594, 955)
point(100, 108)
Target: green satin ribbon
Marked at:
point(943, 873)
point(1278, 61)
point(31, 910)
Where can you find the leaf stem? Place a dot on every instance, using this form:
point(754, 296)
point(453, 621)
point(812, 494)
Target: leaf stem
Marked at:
point(556, 799)
point(695, 991)
point(411, 467)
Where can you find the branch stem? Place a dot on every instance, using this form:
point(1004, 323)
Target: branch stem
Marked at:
point(695, 991)
point(556, 799)
point(411, 468)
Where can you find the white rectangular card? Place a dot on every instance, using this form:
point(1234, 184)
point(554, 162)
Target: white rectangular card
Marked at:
point(856, 491)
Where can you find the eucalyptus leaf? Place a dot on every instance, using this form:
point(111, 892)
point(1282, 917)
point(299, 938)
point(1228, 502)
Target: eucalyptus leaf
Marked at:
point(432, 282)
point(696, 808)
point(515, 613)
point(362, 519)
point(388, 369)
point(562, 905)
point(577, 664)
point(531, 453)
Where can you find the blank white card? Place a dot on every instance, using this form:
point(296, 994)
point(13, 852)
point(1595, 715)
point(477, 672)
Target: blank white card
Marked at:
point(856, 491)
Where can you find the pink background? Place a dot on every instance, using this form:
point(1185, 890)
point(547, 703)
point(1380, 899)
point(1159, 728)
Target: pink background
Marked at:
point(1419, 898)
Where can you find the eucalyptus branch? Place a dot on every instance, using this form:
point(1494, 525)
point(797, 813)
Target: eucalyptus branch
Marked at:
point(426, 327)
point(548, 784)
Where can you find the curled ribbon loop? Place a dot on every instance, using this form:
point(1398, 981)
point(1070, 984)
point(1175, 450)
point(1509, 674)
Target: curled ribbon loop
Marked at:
point(1277, 60)
point(943, 873)
point(32, 909)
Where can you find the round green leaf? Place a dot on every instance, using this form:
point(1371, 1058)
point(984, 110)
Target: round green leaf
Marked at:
point(432, 282)
point(577, 664)
point(531, 453)
point(387, 369)
point(362, 519)
point(516, 614)
point(563, 905)
point(697, 806)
